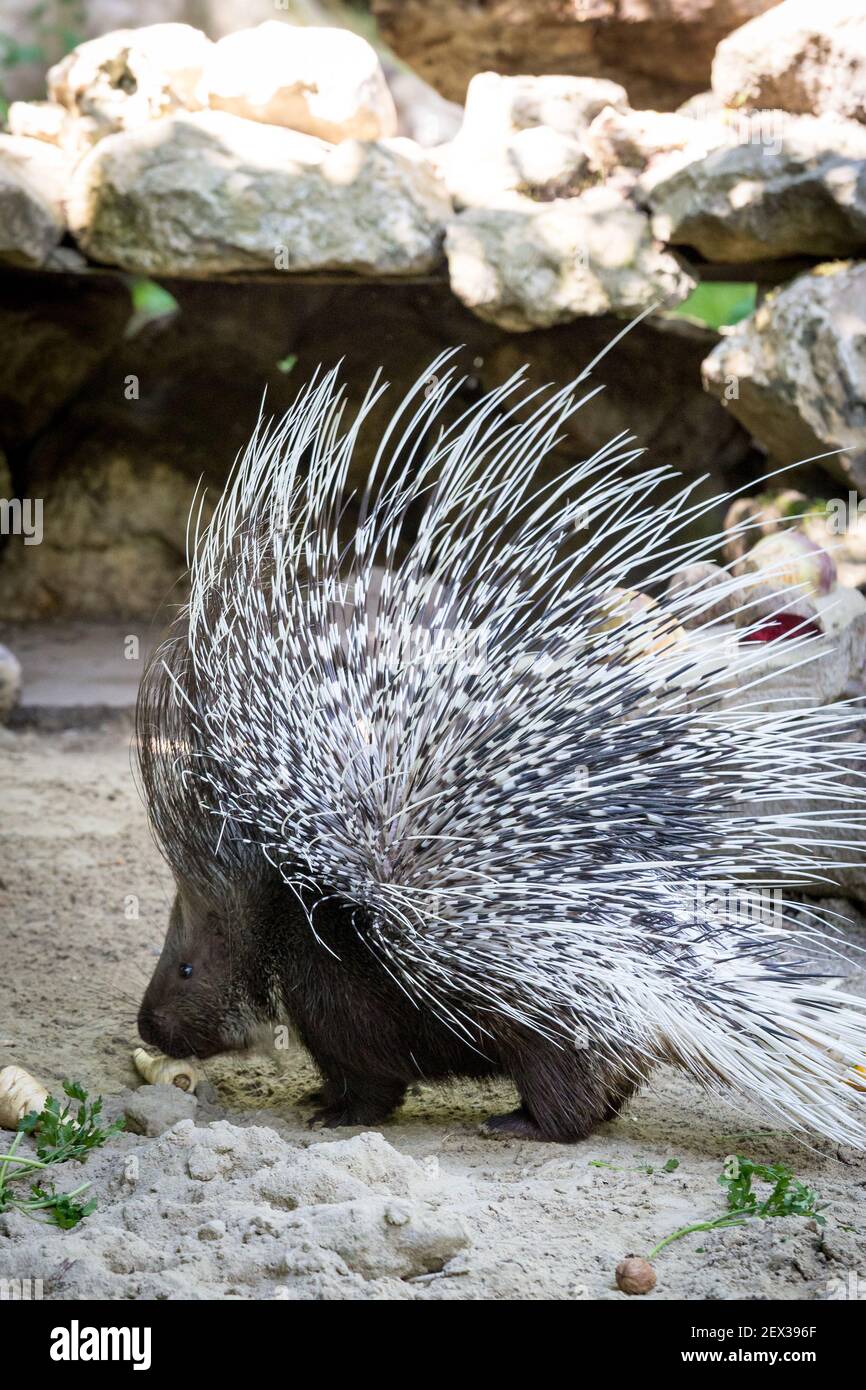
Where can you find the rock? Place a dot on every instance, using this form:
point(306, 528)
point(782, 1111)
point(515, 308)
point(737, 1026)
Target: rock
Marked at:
point(33, 178)
point(701, 577)
point(800, 57)
point(422, 114)
point(47, 169)
point(798, 185)
point(52, 341)
point(661, 50)
point(345, 1170)
point(836, 835)
point(539, 264)
point(521, 136)
point(703, 106)
point(770, 678)
point(10, 682)
point(115, 519)
point(548, 164)
point(632, 140)
point(203, 1164)
point(324, 82)
point(38, 120)
point(381, 1236)
point(117, 481)
point(29, 229)
point(129, 77)
point(500, 106)
point(151, 1110)
point(211, 192)
point(795, 372)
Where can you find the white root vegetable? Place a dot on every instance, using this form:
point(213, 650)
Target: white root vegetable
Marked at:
point(19, 1094)
point(166, 1071)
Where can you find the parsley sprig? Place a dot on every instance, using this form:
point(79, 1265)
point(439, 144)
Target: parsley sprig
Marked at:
point(63, 1134)
point(788, 1196)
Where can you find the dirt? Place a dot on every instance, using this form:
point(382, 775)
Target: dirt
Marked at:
point(241, 1199)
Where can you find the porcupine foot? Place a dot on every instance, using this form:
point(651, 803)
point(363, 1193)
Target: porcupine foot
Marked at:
point(351, 1104)
point(516, 1124)
point(564, 1095)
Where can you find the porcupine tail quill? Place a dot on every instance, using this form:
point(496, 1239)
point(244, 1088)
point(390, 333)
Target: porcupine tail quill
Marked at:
point(526, 785)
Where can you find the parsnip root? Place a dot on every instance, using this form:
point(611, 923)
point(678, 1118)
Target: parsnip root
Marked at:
point(19, 1094)
point(166, 1071)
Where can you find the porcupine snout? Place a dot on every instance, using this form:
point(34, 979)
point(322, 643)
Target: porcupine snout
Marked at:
point(198, 1000)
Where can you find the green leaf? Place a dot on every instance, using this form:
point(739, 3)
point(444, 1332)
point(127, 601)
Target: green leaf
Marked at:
point(718, 303)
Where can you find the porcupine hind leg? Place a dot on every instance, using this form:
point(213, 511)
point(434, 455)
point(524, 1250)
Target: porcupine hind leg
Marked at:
point(564, 1093)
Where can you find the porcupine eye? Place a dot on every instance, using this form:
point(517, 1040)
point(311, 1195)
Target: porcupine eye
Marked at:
point(185, 971)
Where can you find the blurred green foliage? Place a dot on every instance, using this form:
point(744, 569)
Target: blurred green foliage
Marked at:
point(54, 27)
point(150, 299)
point(718, 303)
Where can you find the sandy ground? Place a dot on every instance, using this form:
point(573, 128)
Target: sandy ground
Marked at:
point(243, 1200)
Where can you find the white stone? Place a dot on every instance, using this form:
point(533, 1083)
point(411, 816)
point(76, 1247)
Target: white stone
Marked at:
point(786, 185)
point(794, 372)
point(33, 185)
point(324, 82)
point(632, 139)
point(522, 136)
point(129, 77)
point(500, 106)
point(801, 56)
point(45, 167)
point(38, 120)
point(531, 265)
point(10, 682)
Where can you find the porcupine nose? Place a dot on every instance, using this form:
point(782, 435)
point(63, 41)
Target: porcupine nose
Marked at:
point(152, 1029)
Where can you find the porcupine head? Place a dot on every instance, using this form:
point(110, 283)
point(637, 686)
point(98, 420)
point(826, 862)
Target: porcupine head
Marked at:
point(449, 798)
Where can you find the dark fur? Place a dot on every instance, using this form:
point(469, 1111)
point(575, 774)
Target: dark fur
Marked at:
point(249, 949)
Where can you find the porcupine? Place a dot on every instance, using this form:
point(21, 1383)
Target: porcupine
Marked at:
point(487, 852)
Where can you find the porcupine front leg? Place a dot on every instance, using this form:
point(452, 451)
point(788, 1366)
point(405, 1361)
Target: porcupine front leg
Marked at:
point(347, 1098)
point(564, 1093)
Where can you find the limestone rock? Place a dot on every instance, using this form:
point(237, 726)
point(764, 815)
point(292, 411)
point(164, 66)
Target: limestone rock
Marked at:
point(52, 341)
point(209, 192)
point(661, 50)
point(798, 185)
point(498, 106)
point(33, 177)
point(522, 136)
point(636, 141)
point(379, 1236)
point(535, 265)
point(128, 77)
point(47, 169)
point(800, 56)
point(152, 1110)
point(324, 82)
point(422, 114)
point(10, 682)
point(38, 120)
point(795, 372)
point(114, 525)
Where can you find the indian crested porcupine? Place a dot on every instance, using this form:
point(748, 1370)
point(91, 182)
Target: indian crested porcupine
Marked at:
point(449, 806)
